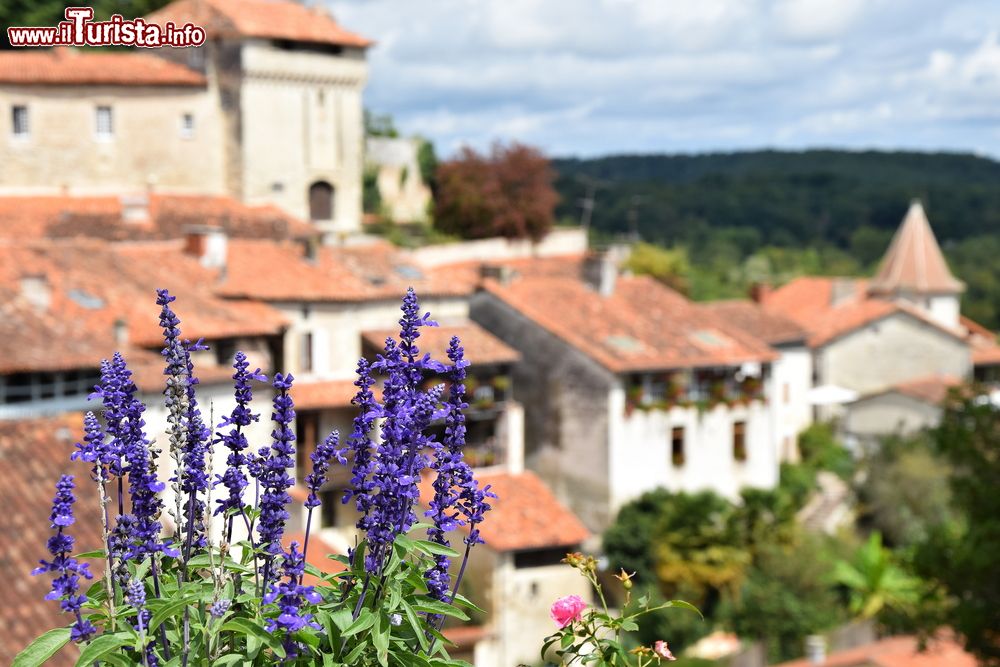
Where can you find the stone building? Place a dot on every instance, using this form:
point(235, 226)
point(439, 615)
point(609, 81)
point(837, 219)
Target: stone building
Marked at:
point(267, 111)
point(405, 196)
point(629, 386)
point(891, 345)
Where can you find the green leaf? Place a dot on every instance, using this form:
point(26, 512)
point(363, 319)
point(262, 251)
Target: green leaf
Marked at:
point(380, 639)
point(247, 627)
point(566, 641)
point(99, 553)
point(43, 648)
point(342, 618)
point(467, 603)
point(353, 656)
point(364, 621)
point(168, 610)
point(629, 626)
point(432, 606)
point(103, 645)
point(414, 620)
point(435, 549)
point(685, 605)
point(230, 659)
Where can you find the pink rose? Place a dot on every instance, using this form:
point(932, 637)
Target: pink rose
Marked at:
point(566, 610)
point(661, 649)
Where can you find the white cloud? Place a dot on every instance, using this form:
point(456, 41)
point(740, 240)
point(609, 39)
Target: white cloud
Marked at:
point(598, 76)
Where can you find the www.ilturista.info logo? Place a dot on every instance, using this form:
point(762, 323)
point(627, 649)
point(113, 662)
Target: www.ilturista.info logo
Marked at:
point(79, 29)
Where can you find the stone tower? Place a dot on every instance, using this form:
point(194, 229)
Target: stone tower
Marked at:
point(288, 80)
point(914, 271)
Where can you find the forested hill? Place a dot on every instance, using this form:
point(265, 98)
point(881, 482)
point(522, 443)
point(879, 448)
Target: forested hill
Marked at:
point(790, 198)
point(734, 218)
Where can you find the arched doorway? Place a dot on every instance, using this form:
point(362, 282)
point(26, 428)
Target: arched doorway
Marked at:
point(321, 201)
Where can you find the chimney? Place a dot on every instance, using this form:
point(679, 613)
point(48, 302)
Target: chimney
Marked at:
point(759, 292)
point(135, 208)
point(842, 289)
point(35, 289)
point(208, 244)
point(310, 248)
point(497, 272)
point(600, 268)
point(816, 649)
point(120, 331)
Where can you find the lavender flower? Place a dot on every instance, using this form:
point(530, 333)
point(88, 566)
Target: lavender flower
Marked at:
point(66, 584)
point(235, 479)
point(274, 476)
point(195, 479)
point(327, 451)
point(219, 608)
point(291, 596)
point(93, 448)
point(135, 595)
point(362, 488)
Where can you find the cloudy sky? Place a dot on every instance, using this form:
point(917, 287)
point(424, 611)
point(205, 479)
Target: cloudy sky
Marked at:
point(590, 77)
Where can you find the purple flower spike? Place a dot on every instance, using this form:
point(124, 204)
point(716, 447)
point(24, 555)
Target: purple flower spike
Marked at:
point(67, 582)
point(274, 476)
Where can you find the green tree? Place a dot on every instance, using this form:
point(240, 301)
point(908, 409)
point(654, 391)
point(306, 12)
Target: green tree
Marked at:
point(962, 555)
point(668, 265)
point(876, 582)
point(905, 490)
point(786, 597)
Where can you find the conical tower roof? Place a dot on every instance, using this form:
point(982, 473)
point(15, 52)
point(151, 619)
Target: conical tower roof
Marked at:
point(914, 262)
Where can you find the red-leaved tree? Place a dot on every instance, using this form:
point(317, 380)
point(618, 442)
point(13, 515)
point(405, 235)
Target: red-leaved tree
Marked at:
point(506, 193)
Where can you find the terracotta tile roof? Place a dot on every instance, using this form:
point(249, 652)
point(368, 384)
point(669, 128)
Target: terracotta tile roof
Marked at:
point(33, 454)
point(84, 304)
point(525, 516)
point(988, 355)
point(273, 19)
point(59, 216)
point(319, 549)
point(930, 389)
point(899, 651)
point(359, 273)
point(323, 394)
point(65, 66)
point(914, 262)
point(481, 347)
point(643, 325)
point(832, 307)
point(753, 318)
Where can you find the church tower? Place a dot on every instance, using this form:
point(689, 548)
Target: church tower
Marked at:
point(914, 271)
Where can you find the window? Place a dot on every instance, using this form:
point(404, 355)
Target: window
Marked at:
point(677, 445)
point(187, 126)
point(306, 357)
point(19, 120)
point(740, 441)
point(331, 500)
point(104, 125)
point(539, 557)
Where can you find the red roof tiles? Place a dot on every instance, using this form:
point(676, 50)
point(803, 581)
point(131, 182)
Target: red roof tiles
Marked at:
point(643, 325)
point(64, 66)
point(273, 19)
point(832, 307)
point(34, 454)
point(323, 394)
point(752, 318)
point(525, 515)
point(900, 651)
point(84, 305)
point(481, 347)
point(161, 216)
point(914, 262)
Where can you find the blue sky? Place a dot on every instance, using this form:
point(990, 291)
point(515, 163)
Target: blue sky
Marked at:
point(592, 77)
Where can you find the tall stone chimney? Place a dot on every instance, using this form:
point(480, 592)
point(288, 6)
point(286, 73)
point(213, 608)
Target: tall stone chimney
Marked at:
point(600, 268)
